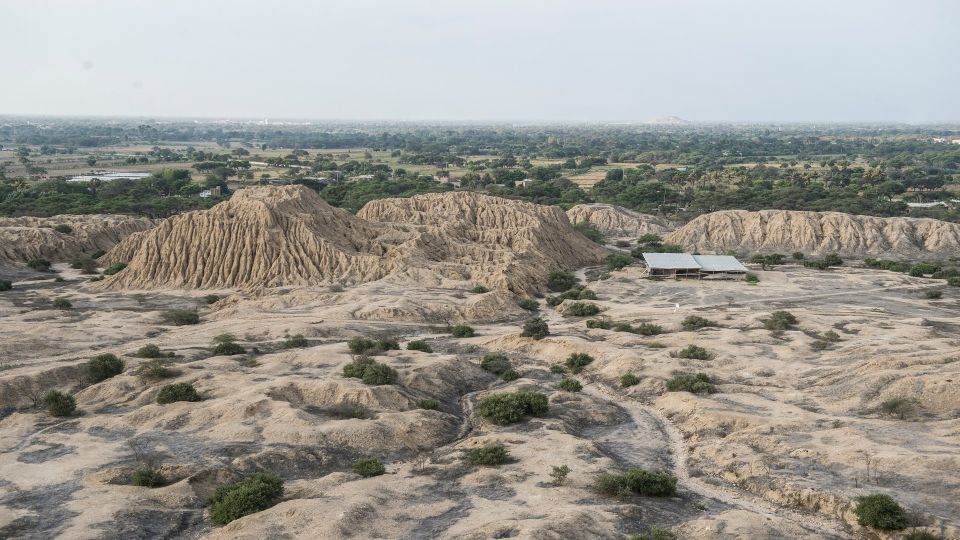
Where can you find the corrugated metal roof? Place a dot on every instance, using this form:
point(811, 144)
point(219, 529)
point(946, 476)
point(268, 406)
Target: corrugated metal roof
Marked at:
point(671, 260)
point(719, 263)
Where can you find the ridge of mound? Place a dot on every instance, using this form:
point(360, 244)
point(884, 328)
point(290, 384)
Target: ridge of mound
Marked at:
point(25, 238)
point(290, 236)
point(618, 221)
point(818, 233)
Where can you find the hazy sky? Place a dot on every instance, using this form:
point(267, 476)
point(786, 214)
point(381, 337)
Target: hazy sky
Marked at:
point(550, 60)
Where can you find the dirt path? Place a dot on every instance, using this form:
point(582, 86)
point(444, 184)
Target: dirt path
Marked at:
point(821, 525)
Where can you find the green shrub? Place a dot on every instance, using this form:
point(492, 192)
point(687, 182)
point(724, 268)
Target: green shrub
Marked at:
point(102, 367)
point(369, 371)
point(429, 404)
point(528, 304)
point(479, 289)
point(618, 261)
point(114, 268)
point(670, 248)
point(419, 345)
point(780, 320)
point(86, 265)
point(924, 269)
point(623, 243)
point(577, 361)
point(656, 533)
point(638, 481)
point(149, 351)
point(696, 384)
point(585, 294)
point(933, 294)
point(946, 273)
point(211, 299)
point(509, 408)
point(570, 385)
point(182, 391)
point(257, 493)
point(557, 368)
point(361, 345)
point(62, 303)
point(561, 281)
point(598, 323)
point(490, 455)
point(40, 265)
point(535, 328)
point(510, 375)
point(880, 512)
point(180, 317)
point(5, 284)
point(583, 309)
point(228, 348)
point(150, 478)
point(496, 363)
point(752, 278)
point(157, 368)
point(462, 331)
point(629, 379)
point(901, 407)
point(368, 467)
point(921, 535)
point(695, 322)
point(63, 228)
point(953, 281)
point(559, 474)
point(694, 352)
point(295, 341)
point(648, 329)
point(59, 404)
point(649, 238)
point(798, 256)
point(590, 231)
point(98, 253)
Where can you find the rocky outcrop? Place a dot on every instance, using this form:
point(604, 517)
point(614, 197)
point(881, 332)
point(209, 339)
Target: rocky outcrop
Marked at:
point(280, 236)
point(818, 233)
point(618, 221)
point(25, 238)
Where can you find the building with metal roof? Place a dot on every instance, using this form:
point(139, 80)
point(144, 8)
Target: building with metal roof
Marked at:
point(684, 265)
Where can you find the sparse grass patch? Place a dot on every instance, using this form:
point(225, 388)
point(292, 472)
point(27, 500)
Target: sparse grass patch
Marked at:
point(211, 299)
point(557, 368)
point(257, 493)
point(489, 456)
point(172, 393)
point(368, 467)
point(577, 361)
point(509, 408)
point(656, 533)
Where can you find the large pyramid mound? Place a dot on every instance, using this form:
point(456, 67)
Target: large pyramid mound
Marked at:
point(618, 221)
point(819, 233)
point(279, 236)
point(25, 238)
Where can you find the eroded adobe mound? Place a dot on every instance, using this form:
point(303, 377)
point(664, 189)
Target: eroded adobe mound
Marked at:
point(619, 221)
point(818, 233)
point(25, 238)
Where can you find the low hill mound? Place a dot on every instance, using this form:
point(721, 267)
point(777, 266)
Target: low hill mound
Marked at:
point(25, 238)
point(818, 233)
point(280, 236)
point(618, 221)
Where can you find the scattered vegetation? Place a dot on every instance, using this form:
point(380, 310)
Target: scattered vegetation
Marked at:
point(86, 265)
point(780, 320)
point(577, 292)
point(40, 265)
point(296, 341)
point(696, 384)
point(558, 368)
point(636, 481)
point(535, 328)
point(901, 407)
point(644, 329)
point(590, 231)
point(180, 317)
point(570, 385)
point(369, 371)
point(629, 379)
point(693, 352)
point(182, 391)
point(255, 494)
point(63, 228)
point(429, 404)
point(880, 512)
point(655, 533)
point(59, 404)
point(583, 309)
point(528, 304)
point(152, 351)
point(598, 323)
point(479, 289)
point(150, 478)
point(577, 361)
point(496, 363)
point(509, 408)
point(114, 268)
point(102, 367)
point(618, 261)
point(362, 345)
point(932, 294)
point(560, 281)
point(490, 455)
point(462, 331)
point(368, 467)
point(419, 345)
point(824, 263)
point(695, 322)
point(226, 346)
point(155, 369)
point(62, 303)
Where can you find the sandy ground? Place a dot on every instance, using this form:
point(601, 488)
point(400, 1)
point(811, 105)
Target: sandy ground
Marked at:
point(779, 452)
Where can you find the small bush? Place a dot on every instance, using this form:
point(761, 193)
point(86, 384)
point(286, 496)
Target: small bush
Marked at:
point(429, 404)
point(798, 255)
point(462, 331)
point(86, 265)
point(561, 281)
point(295, 342)
point(479, 289)
point(921, 535)
point(559, 474)
point(953, 281)
point(648, 329)
point(696, 384)
point(509, 408)
point(62, 303)
point(590, 231)
point(211, 299)
point(577, 361)
point(157, 368)
point(622, 243)
point(880, 512)
point(693, 352)
point(102, 367)
point(149, 351)
point(934, 294)
point(901, 407)
point(228, 348)
point(490, 455)
point(369, 371)
point(598, 323)
point(629, 379)
point(510, 375)
point(570, 385)
point(752, 278)
point(114, 268)
point(59, 404)
point(5, 284)
point(583, 309)
point(535, 328)
point(360, 345)
point(63, 228)
point(656, 533)
point(649, 238)
point(924, 269)
point(40, 265)
point(419, 345)
point(257, 493)
point(368, 467)
point(171, 393)
point(695, 322)
point(180, 317)
point(557, 368)
point(528, 304)
point(495, 363)
point(638, 481)
point(780, 320)
point(618, 261)
point(150, 478)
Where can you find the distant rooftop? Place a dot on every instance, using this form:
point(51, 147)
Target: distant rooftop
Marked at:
point(109, 176)
point(685, 261)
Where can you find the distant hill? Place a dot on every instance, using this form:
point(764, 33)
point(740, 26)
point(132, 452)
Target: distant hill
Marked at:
point(668, 121)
